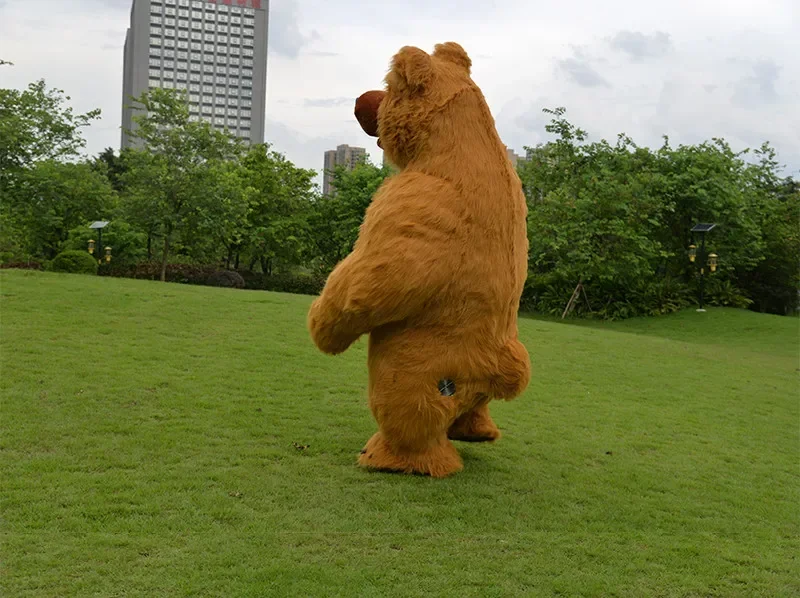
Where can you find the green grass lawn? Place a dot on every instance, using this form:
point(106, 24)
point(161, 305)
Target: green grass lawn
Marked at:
point(168, 440)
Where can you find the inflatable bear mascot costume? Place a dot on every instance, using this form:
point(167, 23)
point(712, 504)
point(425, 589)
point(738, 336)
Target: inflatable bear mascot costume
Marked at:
point(436, 274)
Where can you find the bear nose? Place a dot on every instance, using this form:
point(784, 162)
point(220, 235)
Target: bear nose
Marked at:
point(366, 111)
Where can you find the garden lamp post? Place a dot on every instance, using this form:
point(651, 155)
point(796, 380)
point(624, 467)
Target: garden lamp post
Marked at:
point(99, 226)
point(702, 229)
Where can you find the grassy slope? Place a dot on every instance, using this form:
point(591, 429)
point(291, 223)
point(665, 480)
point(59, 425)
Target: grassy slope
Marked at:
point(147, 450)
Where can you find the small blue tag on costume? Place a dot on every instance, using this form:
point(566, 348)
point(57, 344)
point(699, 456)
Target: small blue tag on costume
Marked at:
point(447, 387)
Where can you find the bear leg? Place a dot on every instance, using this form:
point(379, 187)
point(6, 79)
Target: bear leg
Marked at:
point(476, 425)
point(413, 418)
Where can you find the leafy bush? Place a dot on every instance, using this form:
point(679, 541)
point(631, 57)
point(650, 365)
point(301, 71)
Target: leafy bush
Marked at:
point(22, 265)
point(724, 293)
point(128, 245)
point(182, 273)
point(74, 262)
point(226, 278)
point(300, 283)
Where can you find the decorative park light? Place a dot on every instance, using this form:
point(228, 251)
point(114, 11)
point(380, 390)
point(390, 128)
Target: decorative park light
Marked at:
point(702, 229)
point(99, 226)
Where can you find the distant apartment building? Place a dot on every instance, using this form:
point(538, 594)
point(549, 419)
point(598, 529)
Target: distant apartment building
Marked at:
point(215, 50)
point(514, 157)
point(343, 155)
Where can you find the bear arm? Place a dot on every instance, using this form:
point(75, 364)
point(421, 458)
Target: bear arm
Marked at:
point(405, 255)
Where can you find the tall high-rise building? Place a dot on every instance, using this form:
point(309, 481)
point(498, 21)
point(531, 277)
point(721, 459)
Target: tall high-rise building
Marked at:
point(215, 50)
point(343, 155)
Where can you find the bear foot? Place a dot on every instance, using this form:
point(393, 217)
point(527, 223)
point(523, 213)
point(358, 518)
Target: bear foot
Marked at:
point(438, 461)
point(474, 426)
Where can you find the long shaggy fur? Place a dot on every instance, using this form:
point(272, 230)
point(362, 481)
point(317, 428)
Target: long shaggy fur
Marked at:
point(436, 274)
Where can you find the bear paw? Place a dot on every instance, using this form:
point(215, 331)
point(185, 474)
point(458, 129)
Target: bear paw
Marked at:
point(474, 426)
point(438, 461)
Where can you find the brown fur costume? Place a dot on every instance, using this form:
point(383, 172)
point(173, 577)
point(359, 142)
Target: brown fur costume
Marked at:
point(436, 274)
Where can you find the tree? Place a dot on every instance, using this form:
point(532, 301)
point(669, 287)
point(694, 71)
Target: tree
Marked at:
point(170, 180)
point(609, 225)
point(58, 197)
point(34, 126)
point(336, 218)
point(38, 134)
point(280, 197)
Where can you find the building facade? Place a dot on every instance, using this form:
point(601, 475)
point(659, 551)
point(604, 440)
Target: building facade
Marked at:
point(214, 50)
point(343, 155)
point(514, 157)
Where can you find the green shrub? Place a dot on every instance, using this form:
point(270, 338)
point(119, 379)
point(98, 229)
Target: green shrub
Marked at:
point(74, 262)
point(300, 283)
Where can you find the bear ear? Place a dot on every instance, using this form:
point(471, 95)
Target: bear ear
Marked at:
point(453, 53)
point(411, 69)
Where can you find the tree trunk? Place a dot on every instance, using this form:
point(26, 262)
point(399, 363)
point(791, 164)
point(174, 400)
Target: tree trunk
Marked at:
point(236, 263)
point(165, 256)
point(149, 245)
point(229, 257)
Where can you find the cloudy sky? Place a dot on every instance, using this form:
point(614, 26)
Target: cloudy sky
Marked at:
point(690, 69)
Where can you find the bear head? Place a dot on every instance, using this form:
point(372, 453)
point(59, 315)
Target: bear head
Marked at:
point(427, 102)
